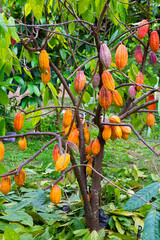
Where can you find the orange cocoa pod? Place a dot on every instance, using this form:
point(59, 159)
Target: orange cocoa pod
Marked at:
point(114, 119)
point(121, 57)
point(63, 129)
point(96, 147)
point(46, 76)
point(138, 54)
point(83, 201)
point(142, 31)
point(113, 136)
point(90, 147)
point(80, 82)
point(18, 121)
point(150, 119)
point(125, 129)
point(86, 135)
point(154, 41)
point(152, 106)
point(88, 169)
point(22, 143)
point(5, 185)
point(62, 162)
point(44, 60)
point(74, 137)
point(67, 118)
point(55, 194)
point(139, 80)
point(108, 81)
point(20, 178)
point(116, 130)
point(55, 153)
point(117, 99)
point(107, 131)
point(105, 98)
point(125, 135)
point(1, 151)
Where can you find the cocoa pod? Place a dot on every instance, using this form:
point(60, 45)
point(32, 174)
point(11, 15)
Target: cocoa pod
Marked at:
point(152, 106)
point(88, 169)
point(46, 76)
point(138, 54)
point(125, 129)
point(116, 130)
point(107, 131)
point(55, 194)
point(117, 99)
point(96, 147)
point(83, 201)
point(74, 137)
point(121, 57)
point(108, 81)
point(1, 151)
point(73, 148)
point(139, 80)
point(90, 147)
point(62, 162)
point(86, 135)
point(5, 185)
point(132, 92)
point(154, 41)
point(152, 58)
point(55, 153)
point(20, 178)
point(67, 118)
point(105, 98)
point(44, 60)
point(142, 31)
point(105, 55)
point(113, 136)
point(150, 119)
point(125, 136)
point(80, 82)
point(96, 80)
point(18, 121)
point(22, 143)
point(114, 119)
point(71, 176)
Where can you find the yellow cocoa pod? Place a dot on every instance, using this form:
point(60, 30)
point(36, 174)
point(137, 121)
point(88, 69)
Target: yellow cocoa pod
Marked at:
point(116, 130)
point(67, 118)
point(55, 194)
point(18, 121)
point(44, 60)
point(74, 137)
point(107, 131)
point(20, 178)
point(62, 162)
point(88, 169)
point(22, 143)
point(125, 129)
point(1, 151)
point(117, 99)
point(115, 119)
point(96, 147)
point(5, 185)
point(86, 135)
point(46, 76)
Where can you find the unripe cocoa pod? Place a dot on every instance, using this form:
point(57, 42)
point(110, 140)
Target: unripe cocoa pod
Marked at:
point(86, 135)
point(106, 134)
point(114, 119)
point(116, 130)
point(5, 185)
point(96, 147)
point(67, 118)
point(22, 143)
point(150, 119)
point(142, 31)
point(73, 148)
point(125, 136)
point(71, 176)
point(105, 56)
point(105, 98)
point(152, 58)
point(152, 106)
point(96, 80)
point(108, 81)
point(44, 60)
point(56, 153)
point(154, 41)
point(80, 82)
point(117, 99)
point(18, 121)
point(138, 54)
point(74, 137)
point(125, 129)
point(46, 76)
point(139, 80)
point(20, 178)
point(83, 201)
point(62, 162)
point(121, 57)
point(1, 151)
point(55, 194)
point(88, 169)
point(132, 92)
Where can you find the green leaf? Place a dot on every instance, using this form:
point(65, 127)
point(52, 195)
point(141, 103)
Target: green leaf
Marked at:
point(94, 235)
point(10, 234)
point(3, 27)
point(147, 193)
point(36, 117)
point(12, 30)
point(46, 97)
point(30, 88)
point(30, 108)
point(86, 97)
point(118, 225)
point(36, 91)
point(19, 80)
point(159, 106)
point(2, 169)
point(28, 72)
point(2, 126)
point(83, 5)
point(4, 100)
point(37, 7)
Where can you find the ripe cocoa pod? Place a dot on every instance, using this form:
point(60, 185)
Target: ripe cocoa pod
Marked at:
point(1, 151)
point(5, 185)
point(55, 153)
point(121, 57)
point(107, 131)
point(71, 176)
point(22, 143)
point(152, 106)
point(117, 99)
point(67, 118)
point(152, 58)
point(138, 54)
point(88, 169)
point(80, 82)
point(83, 201)
point(154, 41)
point(44, 60)
point(46, 76)
point(105, 98)
point(86, 135)
point(150, 119)
point(105, 56)
point(55, 194)
point(139, 80)
point(142, 31)
point(116, 130)
point(125, 136)
point(132, 92)
point(96, 80)
point(108, 81)
point(96, 147)
point(20, 178)
point(125, 129)
point(18, 121)
point(114, 119)
point(62, 162)
point(90, 147)
point(74, 137)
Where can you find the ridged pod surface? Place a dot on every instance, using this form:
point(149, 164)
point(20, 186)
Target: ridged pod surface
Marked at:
point(80, 82)
point(83, 201)
point(152, 106)
point(90, 147)
point(132, 92)
point(20, 178)
point(125, 129)
point(107, 131)
point(96, 147)
point(74, 137)
point(44, 60)
point(121, 57)
point(150, 119)
point(105, 55)
point(86, 135)
point(116, 130)
point(105, 98)
point(125, 136)
point(5, 185)
point(22, 143)
point(88, 169)
point(108, 81)
point(138, 54)
point(62, 162)
point(55, 153)
point(114, 119)
point(113, 136)
point(154, 41)
point(46, 76)
point(96, 80)
point(139, 80)
point(142, 31)
point(1, 151)
point(55, 194)
point(67, 118)
point(152, 58)
point(71, 176)
point(117, 99)
point(18, 121)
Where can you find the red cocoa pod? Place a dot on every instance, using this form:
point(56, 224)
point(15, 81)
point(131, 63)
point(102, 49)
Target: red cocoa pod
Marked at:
point(154, 41)
point(108, 81)
point(1, 151)
point(121, 57)
point(152, 106)
point(46, 76)
point(132, 92)
point(138, 54)
point(67, 118)
point(105, 56)
point(105, 98)
point(117, 99)
point(96, 80)
point(5, 186)
point(80, 82)
point(150, 119)
point(96, 147)
point(139, 80)
point(56, 153)
point(18, 121)
point(55, 194)
point(20, 178)
point(152, 58)
point(44, 60)
point(142, 31)
point(107, 131)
